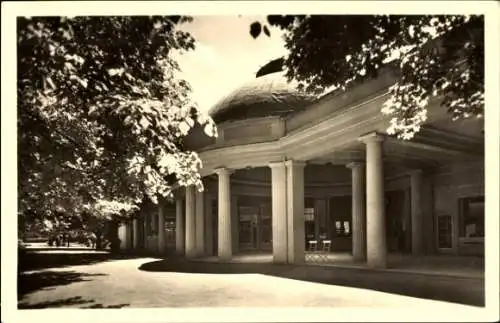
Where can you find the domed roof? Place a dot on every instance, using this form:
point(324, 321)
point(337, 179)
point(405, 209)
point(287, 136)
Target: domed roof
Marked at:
point(268, 95)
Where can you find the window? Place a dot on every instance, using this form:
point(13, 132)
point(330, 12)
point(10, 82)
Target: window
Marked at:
point(472, 217)
point(170, 230)
point(309, 214)
point(342, 228)
point(310, 227)
point(347, 228)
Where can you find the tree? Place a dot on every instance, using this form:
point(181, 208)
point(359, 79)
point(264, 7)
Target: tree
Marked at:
point(102, 113)
point(436, 56)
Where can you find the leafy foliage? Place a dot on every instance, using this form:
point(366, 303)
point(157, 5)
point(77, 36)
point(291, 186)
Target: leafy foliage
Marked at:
point(437, 55)
point(102, 113)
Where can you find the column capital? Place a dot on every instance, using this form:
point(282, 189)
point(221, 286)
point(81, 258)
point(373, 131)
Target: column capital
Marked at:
point(295, 163)
point(277, 164)
point(355, 165)
point(372, 137)
point(223, 171)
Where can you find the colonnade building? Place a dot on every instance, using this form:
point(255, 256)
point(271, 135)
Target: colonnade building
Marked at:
point(289, 171)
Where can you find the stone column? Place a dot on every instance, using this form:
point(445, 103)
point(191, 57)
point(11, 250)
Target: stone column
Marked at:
point(128, 235)
point(417, 242)
point(190, 222)
point(375, 208)
point(135, 237)
point(179, 227)
point(209, 225)
point(358, 212)
point(295, 211)
point(224, 239)
point(200, 223)
point(122, 236)
point(279, 210)
point(161, 226)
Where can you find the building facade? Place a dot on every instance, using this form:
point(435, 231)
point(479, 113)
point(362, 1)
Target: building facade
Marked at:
point(288, 170)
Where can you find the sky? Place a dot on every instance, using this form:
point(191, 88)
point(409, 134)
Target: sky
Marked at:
point(226, 56)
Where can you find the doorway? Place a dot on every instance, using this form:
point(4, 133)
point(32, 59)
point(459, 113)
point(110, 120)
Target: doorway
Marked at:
point(255, 225)
point(398, 222)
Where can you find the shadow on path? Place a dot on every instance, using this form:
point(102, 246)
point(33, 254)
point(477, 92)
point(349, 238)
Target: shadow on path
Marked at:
point(77, 300)
point(467, 291)
point(32, 282)
point(34, 260)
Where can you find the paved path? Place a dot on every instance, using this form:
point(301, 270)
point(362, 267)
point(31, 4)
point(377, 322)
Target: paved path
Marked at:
point(120, 283)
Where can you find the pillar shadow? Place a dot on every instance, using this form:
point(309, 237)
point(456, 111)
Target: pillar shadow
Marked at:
point(468, 291)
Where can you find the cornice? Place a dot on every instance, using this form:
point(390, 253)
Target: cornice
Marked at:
point(342, 128)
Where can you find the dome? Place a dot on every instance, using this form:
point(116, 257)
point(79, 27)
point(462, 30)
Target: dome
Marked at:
point(268, 95)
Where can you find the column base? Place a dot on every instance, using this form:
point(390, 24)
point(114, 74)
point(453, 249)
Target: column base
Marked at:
point(224, 258)
point(377, 263)
point(298, 261)
point(279, 259)
point(358, 258)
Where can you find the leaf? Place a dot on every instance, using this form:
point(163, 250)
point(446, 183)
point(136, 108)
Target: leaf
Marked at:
point(190, 122)
point(144, 123)
point(92, 109)
point(184, 128)
point(127, 121)
point(83, 82)
point(51, 83)
point(255, 29)
point(266, 31)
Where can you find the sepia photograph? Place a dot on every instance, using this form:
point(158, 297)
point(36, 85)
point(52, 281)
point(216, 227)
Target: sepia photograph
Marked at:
point(250, 161)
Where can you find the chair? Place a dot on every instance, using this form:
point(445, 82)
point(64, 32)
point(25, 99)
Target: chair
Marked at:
point(327, 244)
point(325, 249)
point(313, 245)
point(312, 250)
